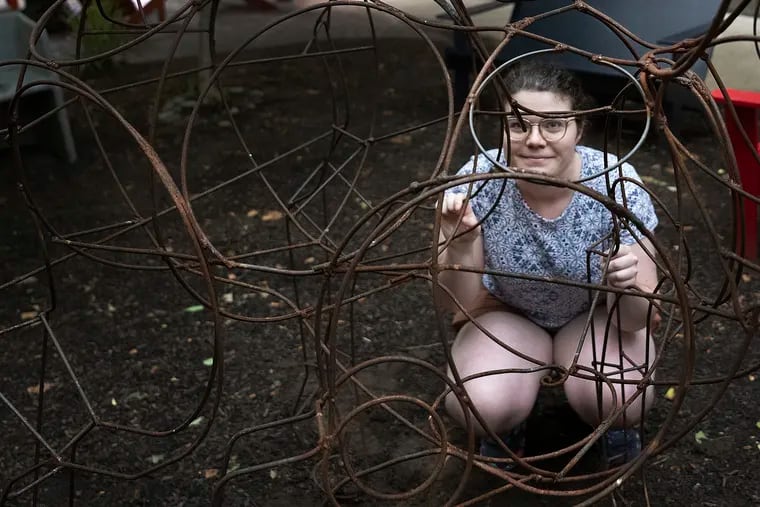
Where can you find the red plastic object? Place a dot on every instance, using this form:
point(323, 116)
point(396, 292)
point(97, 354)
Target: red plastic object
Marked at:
point(747, 104)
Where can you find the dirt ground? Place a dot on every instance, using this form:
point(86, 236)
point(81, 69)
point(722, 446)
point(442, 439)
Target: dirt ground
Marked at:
point(131, 348)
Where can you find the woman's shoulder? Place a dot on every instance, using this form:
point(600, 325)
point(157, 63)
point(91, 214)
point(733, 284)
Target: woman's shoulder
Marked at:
point(477, 164)
point(482, 162)
point(594, 161)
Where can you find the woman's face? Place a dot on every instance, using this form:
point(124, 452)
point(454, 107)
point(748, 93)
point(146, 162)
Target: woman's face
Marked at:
point(534, 153)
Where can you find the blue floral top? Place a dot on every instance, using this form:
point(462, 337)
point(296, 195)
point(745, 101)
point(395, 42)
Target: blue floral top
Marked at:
point(519, 241)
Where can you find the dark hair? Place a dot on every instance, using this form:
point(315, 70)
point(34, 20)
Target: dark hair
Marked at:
point(543, 77)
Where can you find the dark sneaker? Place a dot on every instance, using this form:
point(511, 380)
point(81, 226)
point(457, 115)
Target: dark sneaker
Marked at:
point(621, 446)
point(515, 440)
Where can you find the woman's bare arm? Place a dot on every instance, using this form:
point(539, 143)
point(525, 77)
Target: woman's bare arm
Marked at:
point(464, 250)
point(631, 267)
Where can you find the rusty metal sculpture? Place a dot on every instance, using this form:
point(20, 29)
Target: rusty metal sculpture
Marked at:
point(343, 250)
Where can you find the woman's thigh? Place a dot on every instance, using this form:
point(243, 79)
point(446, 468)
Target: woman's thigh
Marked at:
point(502, 399)
point(474, 351)
point(618, 356)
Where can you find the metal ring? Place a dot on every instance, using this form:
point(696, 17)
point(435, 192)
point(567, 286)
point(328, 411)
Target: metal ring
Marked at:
point(506, 64)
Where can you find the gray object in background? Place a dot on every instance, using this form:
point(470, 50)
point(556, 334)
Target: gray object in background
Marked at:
point(660, 22)
point(15, 31)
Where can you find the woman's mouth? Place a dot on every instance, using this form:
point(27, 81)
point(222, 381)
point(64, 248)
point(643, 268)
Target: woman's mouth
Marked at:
point(535, 160)
point(532, 163)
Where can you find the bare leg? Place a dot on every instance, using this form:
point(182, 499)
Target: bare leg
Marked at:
point(502, 400)
point(582, 394)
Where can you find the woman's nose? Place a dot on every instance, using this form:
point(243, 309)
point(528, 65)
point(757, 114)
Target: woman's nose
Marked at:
point(534, 136)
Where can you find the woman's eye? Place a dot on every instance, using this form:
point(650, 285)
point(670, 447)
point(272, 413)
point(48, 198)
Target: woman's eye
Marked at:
point(552, 125)
point(515, 126)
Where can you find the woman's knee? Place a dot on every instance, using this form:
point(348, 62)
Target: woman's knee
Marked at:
point(502, 401)
point(595, 401)
point(618, 360)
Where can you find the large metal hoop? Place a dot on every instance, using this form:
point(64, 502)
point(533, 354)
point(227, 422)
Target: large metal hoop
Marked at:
point(497, 163)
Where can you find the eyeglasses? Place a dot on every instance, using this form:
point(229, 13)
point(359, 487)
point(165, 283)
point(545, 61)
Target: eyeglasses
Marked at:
point(551, 129)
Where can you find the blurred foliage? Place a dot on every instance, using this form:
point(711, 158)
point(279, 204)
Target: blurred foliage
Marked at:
point(97, 43)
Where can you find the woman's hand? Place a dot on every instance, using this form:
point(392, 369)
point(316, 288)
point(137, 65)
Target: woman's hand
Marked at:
point(633, 266)
point(452, 214)
point(623, 268)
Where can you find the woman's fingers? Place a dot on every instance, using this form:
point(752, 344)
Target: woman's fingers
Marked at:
point(623, 278)
point(452, 203)
point(452, 211)
point(623, 268)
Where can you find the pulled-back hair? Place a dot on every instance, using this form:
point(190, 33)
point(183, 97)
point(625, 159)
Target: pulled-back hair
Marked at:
point(539, 76)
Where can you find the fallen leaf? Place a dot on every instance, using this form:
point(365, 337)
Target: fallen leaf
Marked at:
point(35, 389)
point(113, 402)
point(309, 260)
point(133, 351)
point(156, 458)
point(746, 278)
point(136, 395)
point(196, 422)
point(28, 315)
point(757, 424)
point(227, 297)
point(404, 139)
point(276, 304)
point(670, 394)
point(209, 361)
point(751, 377)
point(194, 308)
point(252, 213)
point(272, 215)
point(672, 189)
point(700, 436)
point(273, 474)
point(211, 473)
